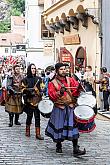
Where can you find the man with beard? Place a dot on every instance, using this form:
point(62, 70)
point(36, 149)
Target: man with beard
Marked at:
point(31, 86)
point(61, 125)
point(13, 101)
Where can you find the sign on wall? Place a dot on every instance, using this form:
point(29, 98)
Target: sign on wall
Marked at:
point(71, 40)
point(49, 48)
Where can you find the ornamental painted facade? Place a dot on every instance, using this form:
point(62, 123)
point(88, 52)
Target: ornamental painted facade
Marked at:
point(75, 25)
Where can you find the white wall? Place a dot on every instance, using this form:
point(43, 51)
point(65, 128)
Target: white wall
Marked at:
point(2, 52)
point(33, 25)
point(34, 43)
point(39, 59)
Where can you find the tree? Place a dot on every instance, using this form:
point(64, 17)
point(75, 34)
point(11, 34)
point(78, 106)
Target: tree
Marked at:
point(16, 9)
point(4, 26)
point(18, 5)
point(15, 12)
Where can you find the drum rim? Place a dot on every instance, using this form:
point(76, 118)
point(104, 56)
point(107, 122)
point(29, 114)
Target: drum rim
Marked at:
point(45, 99)
point(85, 120)
point(85, 104)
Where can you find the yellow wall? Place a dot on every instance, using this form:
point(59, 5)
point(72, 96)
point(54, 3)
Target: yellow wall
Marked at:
point(89, 37)
point(68, 4)
point(89, 40)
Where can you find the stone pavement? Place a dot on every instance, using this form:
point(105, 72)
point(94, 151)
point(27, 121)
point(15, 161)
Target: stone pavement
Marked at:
point(16, 149)
point(105, 114)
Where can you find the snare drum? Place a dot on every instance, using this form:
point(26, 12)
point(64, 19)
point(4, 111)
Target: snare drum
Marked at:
point(45, 107)
point(86, 98)
point(84, 117)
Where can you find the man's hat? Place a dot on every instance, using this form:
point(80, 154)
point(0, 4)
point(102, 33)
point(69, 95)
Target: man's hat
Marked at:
point(59, 65)
point(104, 69)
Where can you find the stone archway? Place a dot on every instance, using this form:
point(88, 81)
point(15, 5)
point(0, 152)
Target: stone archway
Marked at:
point(66, 57)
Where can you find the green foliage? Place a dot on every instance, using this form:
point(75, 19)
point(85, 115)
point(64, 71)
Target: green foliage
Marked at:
point(15, 12)
point(17, 8)
point(5, 26)
point(19, 5)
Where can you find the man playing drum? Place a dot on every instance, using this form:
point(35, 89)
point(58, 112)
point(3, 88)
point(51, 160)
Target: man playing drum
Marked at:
point(63, 91)
point(13, 101)
point(31, 86)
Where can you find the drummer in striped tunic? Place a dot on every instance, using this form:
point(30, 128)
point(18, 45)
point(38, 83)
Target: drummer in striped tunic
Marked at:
point(63, 91)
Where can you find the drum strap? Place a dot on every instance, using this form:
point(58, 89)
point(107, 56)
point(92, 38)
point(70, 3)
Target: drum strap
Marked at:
point(56, 82)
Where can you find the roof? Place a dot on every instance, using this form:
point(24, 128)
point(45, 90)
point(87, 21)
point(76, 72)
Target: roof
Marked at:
point(7, 39)
point(18, 20)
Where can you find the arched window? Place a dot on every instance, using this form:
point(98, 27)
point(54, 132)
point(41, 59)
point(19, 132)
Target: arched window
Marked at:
point(80, 58)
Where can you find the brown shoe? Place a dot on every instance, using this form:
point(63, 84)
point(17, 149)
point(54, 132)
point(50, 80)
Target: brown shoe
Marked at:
point(27, 131)
point(38, 136)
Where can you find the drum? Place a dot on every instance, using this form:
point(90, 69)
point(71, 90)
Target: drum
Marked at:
point(4, 96)
point(1, 95)
point(84, 117)
point(14, 104)
point(86, 98)
point(31, 97)
point(45, 107)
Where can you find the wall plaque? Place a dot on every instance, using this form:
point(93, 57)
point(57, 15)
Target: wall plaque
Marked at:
point(71, 40)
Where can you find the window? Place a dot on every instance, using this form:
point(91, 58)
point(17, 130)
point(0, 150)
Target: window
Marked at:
point(45, 33)
point(20, 47)
point(14, 50)
point(6, 50)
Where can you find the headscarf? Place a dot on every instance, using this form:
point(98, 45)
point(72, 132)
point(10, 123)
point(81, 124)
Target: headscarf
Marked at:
point(29, 72)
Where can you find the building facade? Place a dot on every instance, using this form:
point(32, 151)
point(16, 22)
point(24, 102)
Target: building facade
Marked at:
point(39, 50)
point(75, 24)
point(12, 44)
point(105, 33)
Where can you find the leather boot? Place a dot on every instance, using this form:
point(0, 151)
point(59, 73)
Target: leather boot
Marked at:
point(76, 150)
point(38, 136)
point(16, 120)
point(59, 147)
point(27, 131)
point(11, 120)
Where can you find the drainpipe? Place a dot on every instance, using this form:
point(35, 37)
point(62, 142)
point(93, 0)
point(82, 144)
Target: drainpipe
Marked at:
point(100, 29)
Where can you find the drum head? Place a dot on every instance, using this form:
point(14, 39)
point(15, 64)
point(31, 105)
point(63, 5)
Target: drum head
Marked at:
point(45, 106)
point(87, 99)
point(83, 112)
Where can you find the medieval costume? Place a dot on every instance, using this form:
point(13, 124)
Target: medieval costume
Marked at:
point(13, 101)
point(104, 87)
point(32, 95)
point(61, 125)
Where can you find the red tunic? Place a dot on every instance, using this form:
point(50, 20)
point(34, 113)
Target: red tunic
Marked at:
point(55, 93)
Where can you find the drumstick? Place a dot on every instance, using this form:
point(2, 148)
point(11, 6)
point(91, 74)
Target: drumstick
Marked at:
point(71, 87)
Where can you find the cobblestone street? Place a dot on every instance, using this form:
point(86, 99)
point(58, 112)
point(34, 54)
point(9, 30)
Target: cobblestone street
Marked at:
point(16, 149)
